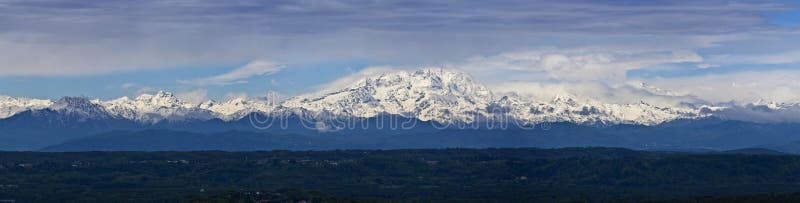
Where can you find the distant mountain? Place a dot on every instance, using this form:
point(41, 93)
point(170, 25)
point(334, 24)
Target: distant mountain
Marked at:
point(154, 108)
point(429, 95)
point(791, 147)
point(435, 95)
point(699, 136)
point(10, 106)
point(418, 107)
point(755, 151)
point(447, 97)
point(67, 118)
point(438, 95)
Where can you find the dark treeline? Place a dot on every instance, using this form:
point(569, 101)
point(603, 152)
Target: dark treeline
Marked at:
point(507, 175)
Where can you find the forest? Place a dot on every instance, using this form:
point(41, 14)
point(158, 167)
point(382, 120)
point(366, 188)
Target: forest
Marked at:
point(422, 175)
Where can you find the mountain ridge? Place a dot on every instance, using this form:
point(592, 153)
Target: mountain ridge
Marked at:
point(439, 95)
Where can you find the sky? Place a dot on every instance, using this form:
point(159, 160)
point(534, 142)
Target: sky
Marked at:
point(710, 50)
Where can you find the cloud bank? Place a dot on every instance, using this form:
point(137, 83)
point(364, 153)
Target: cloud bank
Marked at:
point(75, 38)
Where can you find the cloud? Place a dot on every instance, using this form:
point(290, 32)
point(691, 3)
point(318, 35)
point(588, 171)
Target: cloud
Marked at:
point(356, 76)
point(749, 86)
point(67, 38)
point(236, 76)
point(591, 43)
point(145, 89)
point(127, 85)
point(706, 65)
point(195, 97)
point(760, 113)
point(786, 57)
point(542, 89)
point(580, 64)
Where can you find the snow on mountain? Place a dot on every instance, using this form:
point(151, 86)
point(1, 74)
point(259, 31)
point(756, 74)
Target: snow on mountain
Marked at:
point(448, 96)
point(153, 108)
point(13, 105)
point(429, 94)
point(161, 106)
point(760, 111)
point(80, 107)
point(655, 90)
point(565, 108)
point(237, 108)
point(771, 105)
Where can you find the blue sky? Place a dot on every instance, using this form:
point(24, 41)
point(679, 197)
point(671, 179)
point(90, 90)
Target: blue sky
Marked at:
point(108, 49)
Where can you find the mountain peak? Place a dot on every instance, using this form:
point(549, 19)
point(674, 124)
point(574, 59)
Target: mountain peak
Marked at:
point(10, 106)
point(164, 94)
point(77, 102)
point(80, 106)
point(430, 94)
point(161, 98)
point(425, 94)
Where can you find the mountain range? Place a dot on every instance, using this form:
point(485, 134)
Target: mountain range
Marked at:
point(429, 97)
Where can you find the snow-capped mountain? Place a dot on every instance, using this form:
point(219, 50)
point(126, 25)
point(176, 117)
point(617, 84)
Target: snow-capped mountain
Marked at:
point(153, 108)
point(439, 95)
point(771, 105)
point(429, 94)
point(161, 106)
point(760, 111)
point(237, 108)
point(568, 109)
point(79, 107)
point(10, 106)
point(448, 96)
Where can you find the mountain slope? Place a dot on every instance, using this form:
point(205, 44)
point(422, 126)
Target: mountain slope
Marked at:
point(13, 105)
point(447, 96)
point(426, 94)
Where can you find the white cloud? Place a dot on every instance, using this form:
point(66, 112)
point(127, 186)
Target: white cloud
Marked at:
point(356, 76)
point(776, 85)
point(706, 65)
point(786, 57)
point(580, 64)
point(145, 89)
point(758, 113)
point(544, 73)
point(196, 96)
point(254, 68)
point(127, 85)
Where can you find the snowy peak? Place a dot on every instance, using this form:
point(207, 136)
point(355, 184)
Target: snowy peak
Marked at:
point(81, 107)
point(765, 105)
point(451, 96)
point(10, 106)
point(564, 108)
point(154, 108)
point(161, 106)
point(425, 94)
point(160, 99)
point(433, 94)
point(237, 108)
